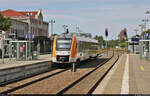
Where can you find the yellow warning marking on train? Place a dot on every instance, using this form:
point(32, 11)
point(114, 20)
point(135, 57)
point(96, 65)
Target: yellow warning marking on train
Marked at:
point(142, 68)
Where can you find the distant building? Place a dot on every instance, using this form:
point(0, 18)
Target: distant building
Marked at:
point(29, 24)
point(123, 34)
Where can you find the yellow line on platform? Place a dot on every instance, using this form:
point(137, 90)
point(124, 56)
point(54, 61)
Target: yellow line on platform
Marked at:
point(142, 68)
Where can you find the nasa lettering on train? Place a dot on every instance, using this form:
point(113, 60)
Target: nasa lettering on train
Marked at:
point(70, 48)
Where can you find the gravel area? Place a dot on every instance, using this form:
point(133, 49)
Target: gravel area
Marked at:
point(27, 80)
point(56, 83)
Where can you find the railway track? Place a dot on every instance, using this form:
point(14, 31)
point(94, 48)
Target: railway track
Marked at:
point(20, 84)
point(53, 68)
point(86, 86)
point(14, 88)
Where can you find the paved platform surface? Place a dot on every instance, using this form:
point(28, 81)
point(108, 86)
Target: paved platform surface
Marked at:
point(9, 63)
point(139, 75)
point(111, 84)
point(130, 75)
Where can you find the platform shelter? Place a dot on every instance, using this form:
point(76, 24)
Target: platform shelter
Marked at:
point(145, 49)
point(133, 45)
point(21, 50)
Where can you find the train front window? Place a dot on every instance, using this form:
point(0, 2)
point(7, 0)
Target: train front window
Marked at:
point(63, 44)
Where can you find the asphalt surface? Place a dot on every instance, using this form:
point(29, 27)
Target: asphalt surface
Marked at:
point(139, 75)
point(137, 81)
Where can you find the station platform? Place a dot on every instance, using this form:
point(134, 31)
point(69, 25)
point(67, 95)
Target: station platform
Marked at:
point(130, 75)
point(13, 70)
point(11, 63)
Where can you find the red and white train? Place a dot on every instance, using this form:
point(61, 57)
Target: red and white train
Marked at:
point(70, 48)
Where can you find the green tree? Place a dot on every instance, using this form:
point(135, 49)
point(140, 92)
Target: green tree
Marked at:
point(100, 40)
point(112, 43)
point(143, 33)
point(123, 43)
point(5, 23)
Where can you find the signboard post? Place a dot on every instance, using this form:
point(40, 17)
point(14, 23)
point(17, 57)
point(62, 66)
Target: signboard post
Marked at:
point(73, 67)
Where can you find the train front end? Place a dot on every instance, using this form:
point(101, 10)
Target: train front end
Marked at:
point(64, 50)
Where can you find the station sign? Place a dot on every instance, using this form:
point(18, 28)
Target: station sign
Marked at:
point(135, 39)
point(28, 36)
point(147, 35)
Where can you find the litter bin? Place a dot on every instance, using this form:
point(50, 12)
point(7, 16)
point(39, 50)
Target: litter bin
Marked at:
point(34, 55)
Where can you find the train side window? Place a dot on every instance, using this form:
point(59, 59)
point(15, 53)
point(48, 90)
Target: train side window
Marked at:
point(80, 46)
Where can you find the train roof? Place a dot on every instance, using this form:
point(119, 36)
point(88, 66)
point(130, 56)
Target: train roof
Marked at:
point(86, 39)
point(78, 37)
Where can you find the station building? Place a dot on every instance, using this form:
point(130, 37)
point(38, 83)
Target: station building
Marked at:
point(29, 25)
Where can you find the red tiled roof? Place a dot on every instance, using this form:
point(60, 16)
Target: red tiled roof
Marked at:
point(34, 13)
point(13, 13)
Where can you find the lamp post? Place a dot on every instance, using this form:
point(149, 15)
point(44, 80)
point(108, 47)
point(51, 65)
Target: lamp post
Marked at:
point(136, 30)
point(52, 22)
point(64, 26)
point(148, 13)
point(3, 33)
point(142, 27)
point(145, 21)
point(77, 29)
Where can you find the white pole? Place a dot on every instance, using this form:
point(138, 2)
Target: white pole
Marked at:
point(52, 21)
point(107, 45)
point(2, 48)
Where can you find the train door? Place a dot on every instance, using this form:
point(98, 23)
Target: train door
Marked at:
point(80, 50)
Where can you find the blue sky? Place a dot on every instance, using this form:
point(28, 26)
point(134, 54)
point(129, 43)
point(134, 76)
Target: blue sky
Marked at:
point(92, 16)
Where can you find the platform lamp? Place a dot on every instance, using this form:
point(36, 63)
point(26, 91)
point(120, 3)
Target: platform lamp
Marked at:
point(142, 27)
point(145, 22)
point(136, 30)
point(148, 13)
point(77, 29)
